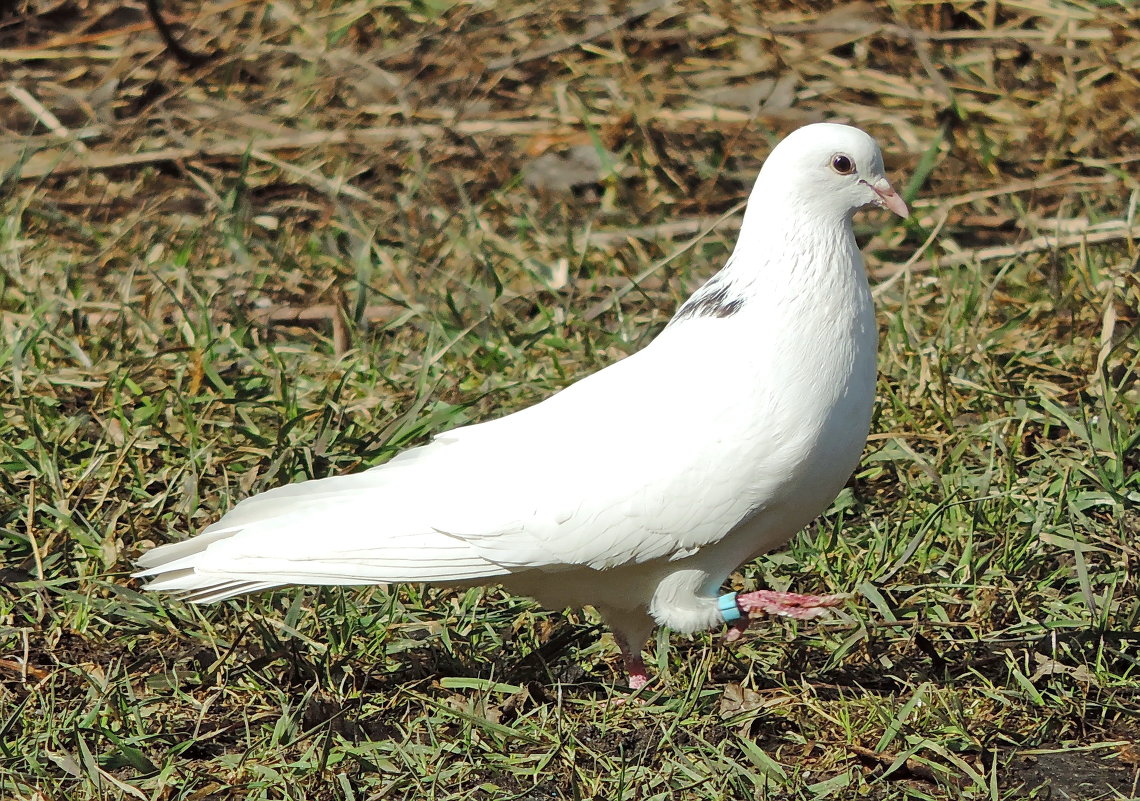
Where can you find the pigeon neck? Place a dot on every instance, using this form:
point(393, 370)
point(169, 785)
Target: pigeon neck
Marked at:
point(792, 220)
point(792, 247)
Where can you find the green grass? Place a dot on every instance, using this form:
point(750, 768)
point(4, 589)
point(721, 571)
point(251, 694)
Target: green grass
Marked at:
point(989, 536)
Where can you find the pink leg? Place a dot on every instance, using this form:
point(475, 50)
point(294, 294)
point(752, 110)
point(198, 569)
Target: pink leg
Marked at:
point(788, 604)
point(737, 628)
point(634, 664)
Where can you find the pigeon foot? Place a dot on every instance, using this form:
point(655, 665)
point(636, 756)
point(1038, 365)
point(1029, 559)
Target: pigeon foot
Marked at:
point(786, 604)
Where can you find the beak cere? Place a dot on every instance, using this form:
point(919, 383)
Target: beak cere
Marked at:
point(889, 198)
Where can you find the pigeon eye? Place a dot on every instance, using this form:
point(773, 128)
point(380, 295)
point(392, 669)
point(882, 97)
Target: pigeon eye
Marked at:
point(842, 164)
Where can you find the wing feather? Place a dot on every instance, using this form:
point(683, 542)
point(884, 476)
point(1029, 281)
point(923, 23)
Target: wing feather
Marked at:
point(602, 474)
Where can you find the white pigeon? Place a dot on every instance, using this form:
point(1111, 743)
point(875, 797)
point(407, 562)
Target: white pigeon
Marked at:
point(639, 488)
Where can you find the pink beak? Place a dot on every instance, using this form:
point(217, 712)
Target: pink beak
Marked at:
point(890, 198)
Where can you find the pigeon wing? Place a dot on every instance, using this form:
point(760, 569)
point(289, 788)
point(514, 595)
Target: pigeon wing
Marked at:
point(602, 474)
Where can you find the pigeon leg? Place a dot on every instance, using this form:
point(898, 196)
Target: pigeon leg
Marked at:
point(631, 628)
point(788, 604)
point(634, 664)
point(737, 628)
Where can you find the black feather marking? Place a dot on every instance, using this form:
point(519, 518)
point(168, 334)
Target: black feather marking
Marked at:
point(714, 299)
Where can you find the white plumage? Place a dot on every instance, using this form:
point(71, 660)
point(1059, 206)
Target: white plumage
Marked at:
point(639, 488)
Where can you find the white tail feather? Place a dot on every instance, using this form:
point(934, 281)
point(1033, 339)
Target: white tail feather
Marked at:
point(365, 528)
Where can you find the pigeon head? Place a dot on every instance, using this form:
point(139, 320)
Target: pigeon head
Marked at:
point(830, 168)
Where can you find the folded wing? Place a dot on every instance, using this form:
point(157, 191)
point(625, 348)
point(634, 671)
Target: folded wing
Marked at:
point(597, 476)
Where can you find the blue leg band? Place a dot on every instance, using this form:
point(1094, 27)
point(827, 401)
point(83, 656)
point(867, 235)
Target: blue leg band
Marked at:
point(728, 608)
